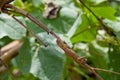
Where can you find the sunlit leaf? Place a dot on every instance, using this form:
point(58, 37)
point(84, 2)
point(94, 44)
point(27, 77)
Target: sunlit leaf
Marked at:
point(114, 25)
point(61, 24)
point(36, 2)
point(75, 26)
point(19, 3)
point(104, 12)
point(9, 27)
point(24, 58)
point(85, 32)
point(47, 62)
point(98, 56)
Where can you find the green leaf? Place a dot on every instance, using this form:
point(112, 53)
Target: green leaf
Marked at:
point(23, 5)
point(19, 3)
point(64, 22)
point(114, 25)
point(5, 75)
point(29, 77)
point(98, 56)
point(97, 1)
point(75, 26)
point(9, 27)
point(85, 32)
point(24, 58)
point(47, 62)
point(36, 3)
point(104, 12)
point(114, 62)
point(61, 24)
point(4, 41)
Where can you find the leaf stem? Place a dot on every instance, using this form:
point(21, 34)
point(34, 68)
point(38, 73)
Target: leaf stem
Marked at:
point(99, 20)
point(29, 31)
point(104, 70)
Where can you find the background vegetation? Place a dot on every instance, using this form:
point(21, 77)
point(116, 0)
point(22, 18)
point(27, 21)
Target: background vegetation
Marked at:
point(76, 25)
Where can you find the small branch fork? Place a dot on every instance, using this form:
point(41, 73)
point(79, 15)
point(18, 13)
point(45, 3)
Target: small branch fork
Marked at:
point(68, 51)
point(62, 44)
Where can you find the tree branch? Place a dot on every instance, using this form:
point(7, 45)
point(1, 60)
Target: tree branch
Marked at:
point(29, 31)
point(3, 2)
point(99, 20)
point(65, 47)
point(9, 51)
point(80, 60)
point(22, 12)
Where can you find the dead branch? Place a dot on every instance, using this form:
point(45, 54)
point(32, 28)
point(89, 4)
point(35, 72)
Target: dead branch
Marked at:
point(9, 51)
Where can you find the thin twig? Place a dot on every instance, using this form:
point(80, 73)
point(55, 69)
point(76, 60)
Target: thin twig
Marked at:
point(7, 67)
point(41, 25)
point(3, 2)
point(68, 51)
point(29, 31)
point(8, 52)
point(80, 60)
point(99, 20)
point(104, 70)
point(11, 50)
point(10, 46)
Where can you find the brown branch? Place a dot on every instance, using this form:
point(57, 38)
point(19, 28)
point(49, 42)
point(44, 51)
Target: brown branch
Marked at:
point(3, 2)
point(22, 12)
point(68, 51)
point(33, 34)
point(80, 60)
point(9, 51)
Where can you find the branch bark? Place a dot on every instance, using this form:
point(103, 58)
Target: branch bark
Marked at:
point(62, 44)
point(3, 2)
point(9, 51)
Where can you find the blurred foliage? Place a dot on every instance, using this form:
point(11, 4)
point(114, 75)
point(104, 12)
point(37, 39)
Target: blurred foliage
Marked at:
point(75, 25)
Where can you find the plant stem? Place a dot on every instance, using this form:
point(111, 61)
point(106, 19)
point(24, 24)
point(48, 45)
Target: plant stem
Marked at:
point(100, 21)
point(62, 44)
point(41, 25)
point(29, 31)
